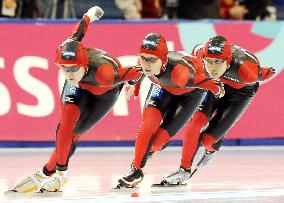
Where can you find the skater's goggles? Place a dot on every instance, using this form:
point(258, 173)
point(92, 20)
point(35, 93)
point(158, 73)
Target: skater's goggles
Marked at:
point(69, 68)
point(214, 61)
point(149, 59)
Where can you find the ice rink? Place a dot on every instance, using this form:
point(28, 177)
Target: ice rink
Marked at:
point(237, 174)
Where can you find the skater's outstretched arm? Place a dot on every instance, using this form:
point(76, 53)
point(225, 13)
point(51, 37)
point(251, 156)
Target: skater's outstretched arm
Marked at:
point(79, 31)
point(266, 73)
point(252, 72)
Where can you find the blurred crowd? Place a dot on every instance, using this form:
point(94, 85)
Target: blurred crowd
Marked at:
point(140, 9)
point(19, 9)
point(202, 9)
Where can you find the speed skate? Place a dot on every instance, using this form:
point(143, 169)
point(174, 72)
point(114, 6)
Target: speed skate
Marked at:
point(164, 184)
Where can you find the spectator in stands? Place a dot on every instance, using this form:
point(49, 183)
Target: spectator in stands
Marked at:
point(198, 9)
point(8, 8)
point(29, 9)
point(279, 4)
point(170, 8)
point(19, 9)
point(248, 9)
point(137, 9)
point(131, 9)
point(230, 9)
point(151, 9)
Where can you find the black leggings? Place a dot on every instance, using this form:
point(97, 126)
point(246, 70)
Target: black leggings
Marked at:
point(92, 109)
point(223, 113)
point(176, 110)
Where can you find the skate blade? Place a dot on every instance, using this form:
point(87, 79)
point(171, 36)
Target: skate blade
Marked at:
point(121, 187)
point(21, 195)
point(8, 192)
point(163, 185)
point(31, 189)
point(13, 194)
point(44, 191)
point(33, 192)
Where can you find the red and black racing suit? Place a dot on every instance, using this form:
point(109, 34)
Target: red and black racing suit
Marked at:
point(215, 116)
point(175, 93)
point(82, 107)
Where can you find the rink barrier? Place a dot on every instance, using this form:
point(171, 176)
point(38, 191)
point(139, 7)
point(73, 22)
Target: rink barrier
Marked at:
point(232, 142)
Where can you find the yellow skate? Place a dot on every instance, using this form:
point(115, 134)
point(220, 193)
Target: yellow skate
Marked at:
point(31, 183)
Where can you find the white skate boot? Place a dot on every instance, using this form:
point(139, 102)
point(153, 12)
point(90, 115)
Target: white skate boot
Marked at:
point(54, 182)
point(177, 178)
point(205, 159)
point(32, 183)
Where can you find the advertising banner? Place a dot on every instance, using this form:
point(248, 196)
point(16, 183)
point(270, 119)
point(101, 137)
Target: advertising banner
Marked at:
point(30, 83)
